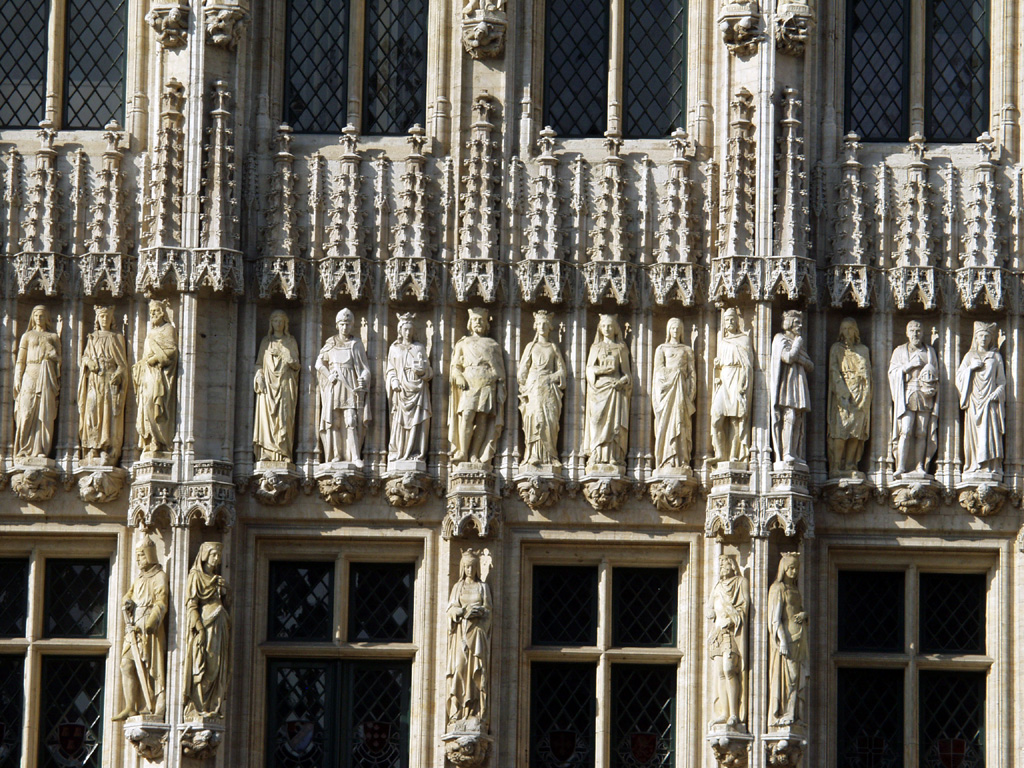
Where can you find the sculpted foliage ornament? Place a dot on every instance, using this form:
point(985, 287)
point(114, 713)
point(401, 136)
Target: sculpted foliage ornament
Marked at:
point(793, 24)
point(409, 489)
point(609, 271)
point(40, 265)
point(915, 276)
point(542, 272)
point(675, 274)
point(411, 270)
point(282, 267)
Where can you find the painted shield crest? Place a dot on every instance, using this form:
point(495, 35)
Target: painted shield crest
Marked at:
point(643, 747)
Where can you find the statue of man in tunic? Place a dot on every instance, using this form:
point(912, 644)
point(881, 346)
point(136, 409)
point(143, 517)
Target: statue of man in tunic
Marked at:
point(730, 402)
point(789, 392)
point(477, 400)
point(914, 385)
point(849, 400)
point(727, 610)
point(981, 382)
point(343, 373)
point(101, 392)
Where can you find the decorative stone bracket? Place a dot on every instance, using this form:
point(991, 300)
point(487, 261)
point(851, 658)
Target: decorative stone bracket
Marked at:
point(225, 23)
point(606, 492)
point(147, 736)
point(340, 483)
point(483, 29)
point(793, 23)
point(472, 500)
point(539, 489)
point(740, 23)
point(170, 22)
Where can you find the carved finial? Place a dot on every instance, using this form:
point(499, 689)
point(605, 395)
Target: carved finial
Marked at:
point(612, 143)
point(546, 141)
point(283, 139)
point(173, 97)
point(681, 143)
point(221, 96)
point(851, 146)
point(791, 104)
point(483, 107)
point(917, 147)
point(417, 139)
point(742, 106)
point(987, 147)
point(112, 135)
point(46, 134)
point(349, 139)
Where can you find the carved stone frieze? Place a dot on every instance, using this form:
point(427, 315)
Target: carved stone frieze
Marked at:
point(606, 493)
point(282, 267)
point(411, 270)
point(740, 25)
point(170, 23)
point(793, 23)
point(225, 22)
point(473, 502)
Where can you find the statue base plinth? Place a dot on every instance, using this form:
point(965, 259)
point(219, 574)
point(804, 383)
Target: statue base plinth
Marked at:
point(407, 488)
point(34, 478)
point(673, 489)
point(152, 467)
point(731, 476)
point(466, 746)
point(473, 500)
point(274, 482)
point(730, 745)
point(983, 493)
point(846, 495)
point(539, 486)
point(99, 484)
point(915, 493)
point(790, 476)
point(785, 748)
point(604, 487)
point(201, 738)
point(406, 465)
point(340, 482)
point(148, 735)
point(156, 457)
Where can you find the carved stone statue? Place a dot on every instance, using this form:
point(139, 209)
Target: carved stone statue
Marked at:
point(789, 393)
point(144, 653)
point(609, 386)
point(277, 392)
point(727, 609)
point(981, 382)
point(407, 380)
point(101, 392)
point(208, 645)
point(542, 379)
point(36, 386)
point(343, 374)
point(849, 400)
point(469, 647)
point(476, 412)
point(155, 378)
point(788, 658)
point(730, 403)
point(673, 395)
point(914, 384)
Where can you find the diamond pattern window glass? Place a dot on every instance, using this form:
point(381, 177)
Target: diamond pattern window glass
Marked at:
point(301, 601)
point(13, 597)
point(395, 70)
point(562, 702)
point(953, 612)
point(376, 730)
point(380, 602)
point(655, 71)
point(564, 605)
point(645, 606)
point(316, 63)
point(877, 75)
point(71, 726)
point(958, 70)
point(76, 598)
point(869, 726)
point(23, 46)
point(871, 611)
point(299, 733)
point(576, 67)
point(952, 719)
point(643, 716)
point(94, 64)
point(12, 689)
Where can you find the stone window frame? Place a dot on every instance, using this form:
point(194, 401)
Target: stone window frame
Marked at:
point(35, 646)
point(968, 558)
point(343, 552)
point(689, 628)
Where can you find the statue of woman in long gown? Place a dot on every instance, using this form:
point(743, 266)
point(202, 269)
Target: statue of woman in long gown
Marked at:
point(609, 386)
point(727, 609)
point(155, 377)
point(981, 382)
point(542, 379)
point(469, 645)
point(101, 392)
point(730, 403)
point(277, 392)
point(343, 375)
point(787, 655)
point(407, 380)
point(673, 393)
point(849, 400)
point(208, 645)
point(36, 386)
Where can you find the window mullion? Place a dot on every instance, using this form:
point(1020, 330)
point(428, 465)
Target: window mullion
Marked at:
point(356, 55)
point(911, 699)
point(915, 69)
point(616, 64)
point(33, 709)
point(56, 65)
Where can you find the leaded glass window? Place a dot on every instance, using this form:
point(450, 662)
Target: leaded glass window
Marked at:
point(71, 726)
point(301, 601)
point(871, 611)
point(958, 70)
point(655, 72)
point(375, 732)
point(380, 602)
point(877, 75)
point(952, 719)
point(643, 716)
point(869, 726)
point(953, 612)
point(23, 49)
point(76, 598)
point(12, 706)
point(576, 67)
point(94, 65)
point(13, 597)
point(395, 73)
point(645, 606)
point(562, 702)
point(564, 605)
point(316, 63)
point(298, 729)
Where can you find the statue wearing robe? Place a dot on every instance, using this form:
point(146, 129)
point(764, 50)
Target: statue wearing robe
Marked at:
point(102, 391)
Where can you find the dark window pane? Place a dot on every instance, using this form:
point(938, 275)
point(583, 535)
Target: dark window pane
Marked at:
point(952, 719)
point(953, 612)
point(958, 70)
point(72, 712)
point(562, 700)
point(644, 606)
point(395, 76)
point(23, 42)
point(297, 714)
point(12, 694)
point(576, 67)
point(655, 76)
point(564, 605)
point(876, 69)
point(315, 66)
point(871, 611)
point(13, 598)
point(380, 602)
point(301, 604)
point(76, 598)
point(94, 78)
point(643, 716)
point(376, 731)
point(870, 718)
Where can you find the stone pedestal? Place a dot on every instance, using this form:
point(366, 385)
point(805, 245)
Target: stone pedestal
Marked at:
point(730, 746)
point(982, 493)
point(605, 488)
point(845, 495)
point(148, 735)
point(98, 484)
point(340, 482)
point(34, 479)
point(201, 738)
point(154, 493)
point(784, 749)
point(790, 477)
point(407, 483)
point(915, 494)
point(539, 486)
point(730, 500)
point(673, 489)
point(472, 500)
point(274, 482)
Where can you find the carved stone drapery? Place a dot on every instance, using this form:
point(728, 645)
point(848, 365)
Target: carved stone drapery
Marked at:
point(411, 270)
point(282, 268)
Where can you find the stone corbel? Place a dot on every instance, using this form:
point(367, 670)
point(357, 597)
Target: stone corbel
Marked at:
point(170, 22)
point(100, 485)
point(844, 496)
point(673, 491)
point(484, 23)
point(731, 749)
point(793, 23)
point(984, 496)
point(275, 483)
point(225, 23)
point(407, 488)
point(606, 491)
point(473, 502)
point(740, 25)
point(201, 738)
point(916, 495)
point(784, 750)
point(539, 489)
point(147, 735)
point(34, 479)
point(340, 483)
